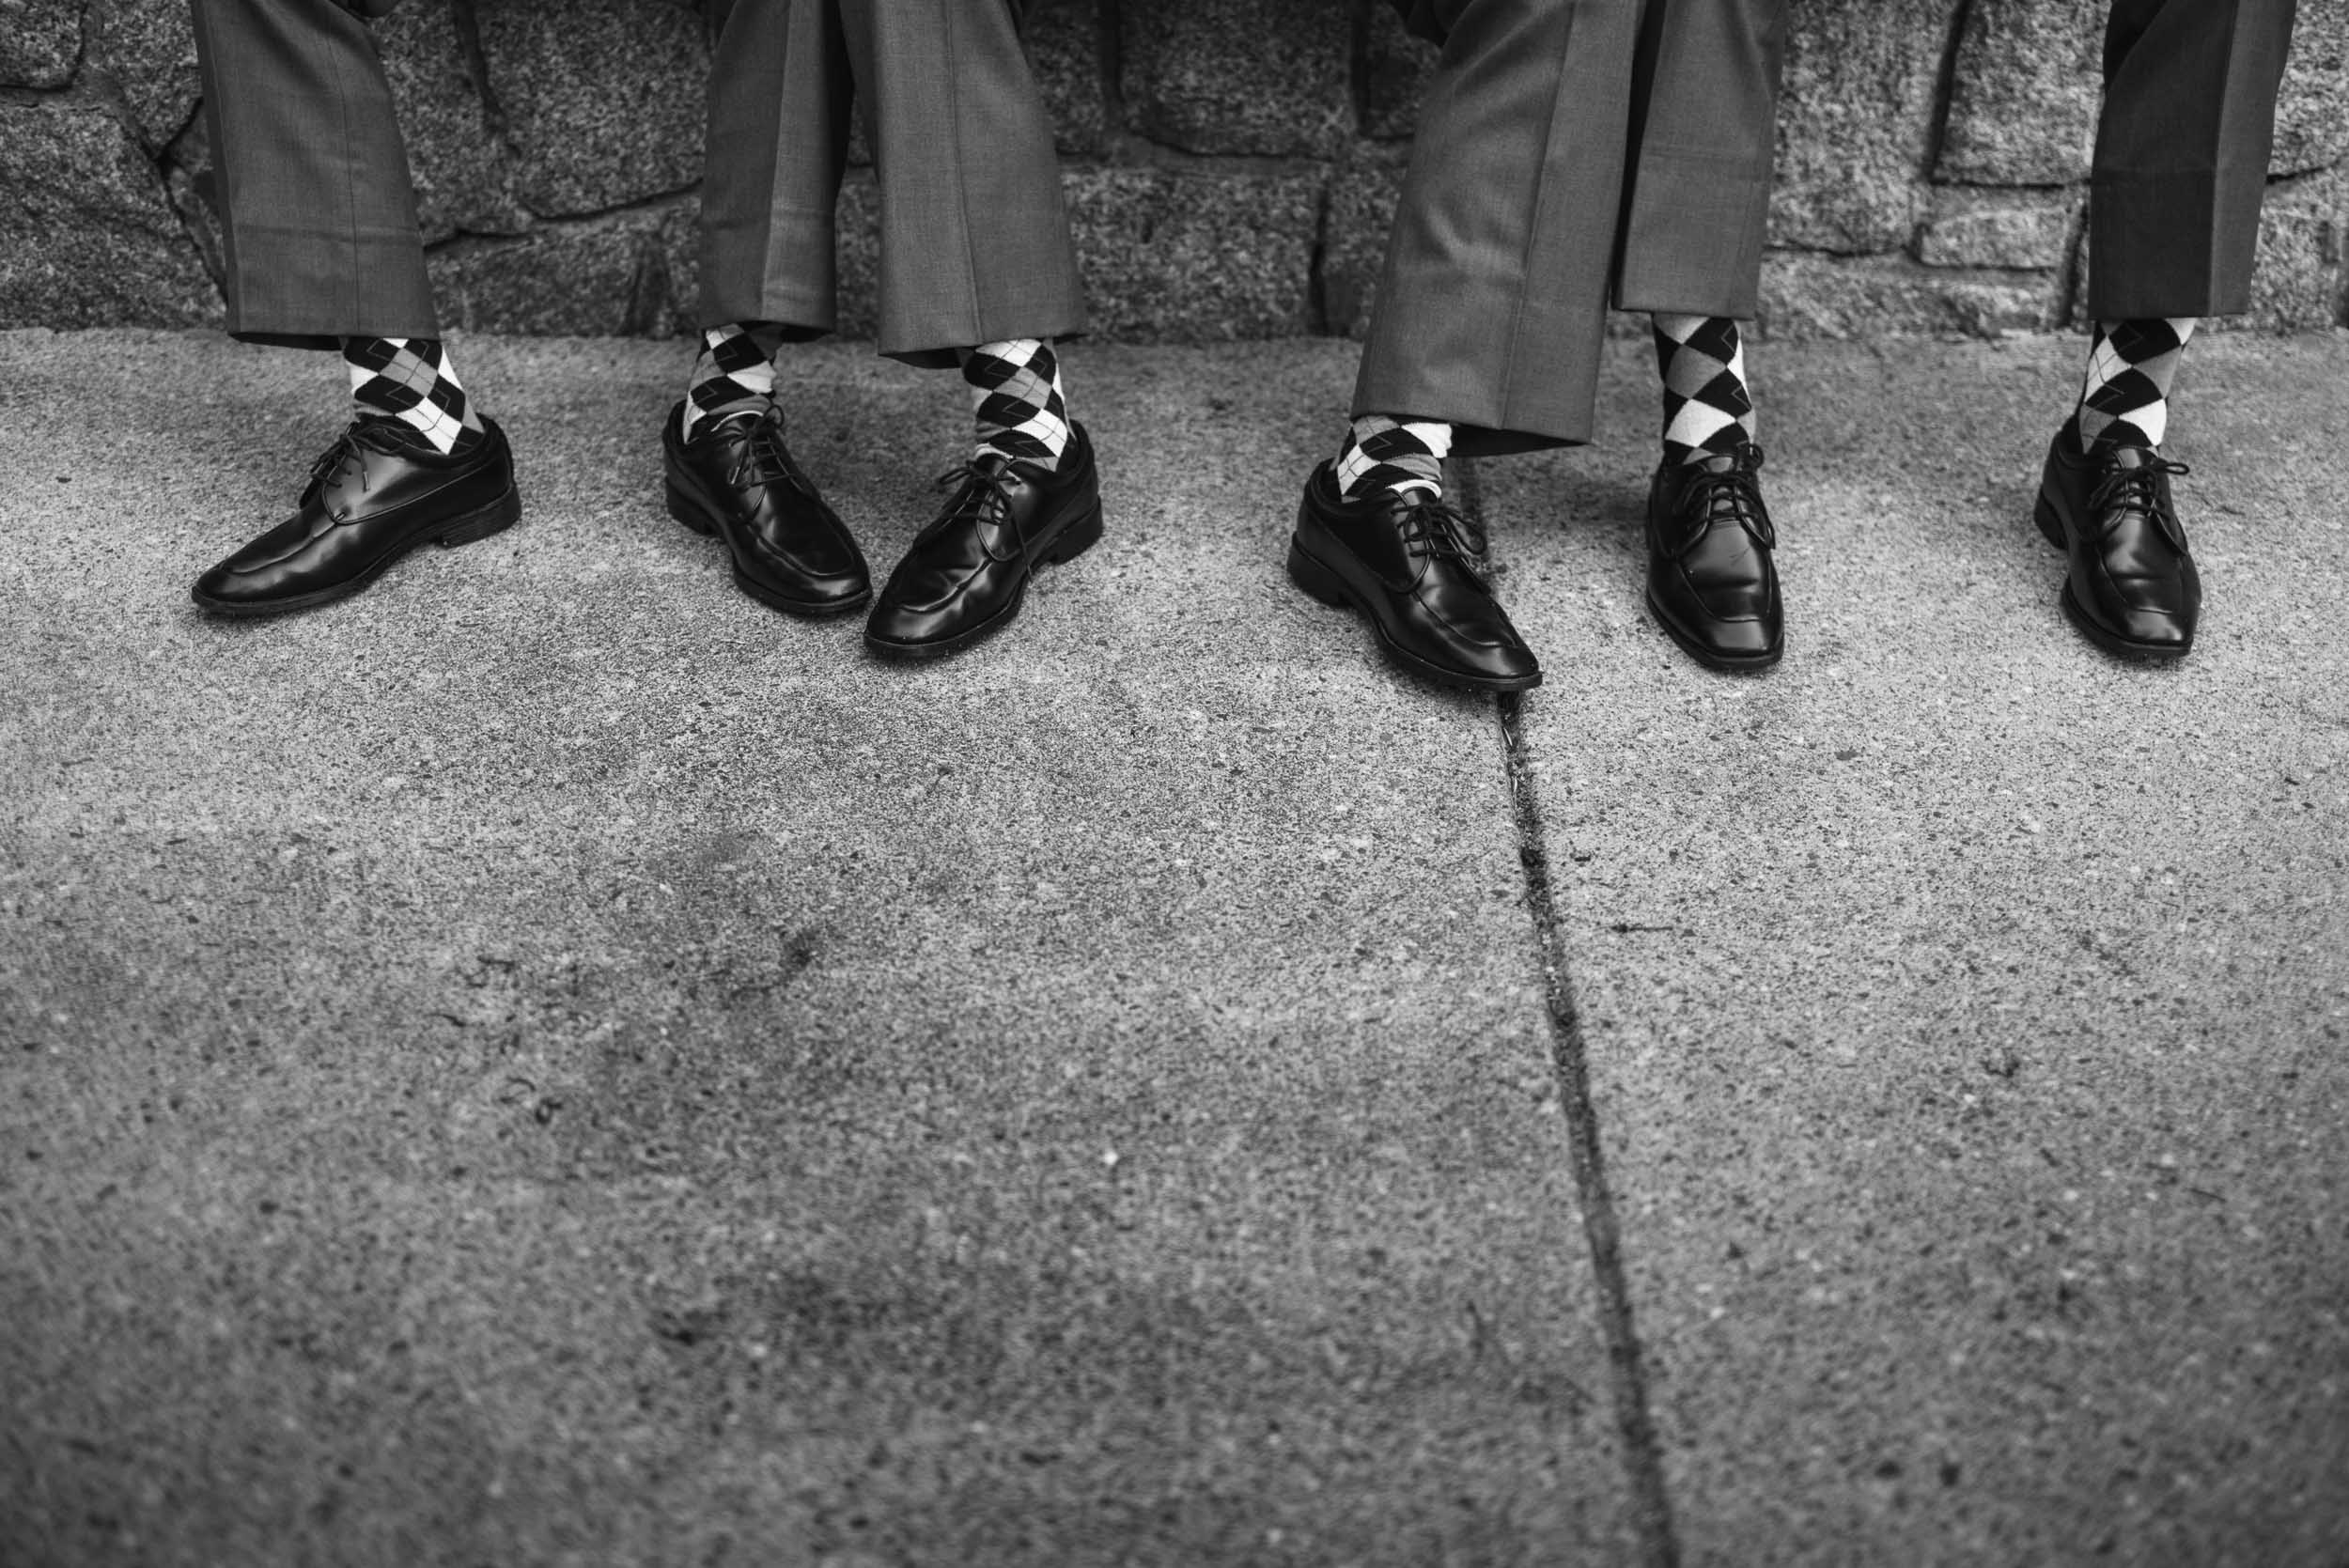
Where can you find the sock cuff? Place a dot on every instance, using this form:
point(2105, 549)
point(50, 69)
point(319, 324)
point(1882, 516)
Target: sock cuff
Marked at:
point(1021, 411)
point(1381, 452)
point(411, 380)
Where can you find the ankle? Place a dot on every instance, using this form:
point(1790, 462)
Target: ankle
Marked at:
point(1017, 402)
point(1383, 453)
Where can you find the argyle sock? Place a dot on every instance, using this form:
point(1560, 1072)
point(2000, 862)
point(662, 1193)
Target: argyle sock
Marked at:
point(2125, 399)
point(1392, 454)
point(1023, 413)
point(734, 373)
point(1708, 411)
point(411, 380)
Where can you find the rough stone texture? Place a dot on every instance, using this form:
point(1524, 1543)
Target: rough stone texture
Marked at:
point(41, 41)
point(2024, 97)
point(1362, 198)
point(2300, 285)
point(610, 273)
point(1856, 121)
point(586, 1069)
point(584, 115)
point(146, 47)
point(1172, 257)
point(468, 179)
point(1395, 68)
point(92, 238)
point(859, 258)
point(1064, 39)
point(1812, 296)
point(1267, 77)
point(602, 98)
point(2011, 228)
point(2312, 115)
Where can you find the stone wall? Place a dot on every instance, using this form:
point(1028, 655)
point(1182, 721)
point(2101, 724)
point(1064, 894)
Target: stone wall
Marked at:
point(1230, 163)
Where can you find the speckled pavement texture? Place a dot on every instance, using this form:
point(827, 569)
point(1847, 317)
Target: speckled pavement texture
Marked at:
point(552, 1062)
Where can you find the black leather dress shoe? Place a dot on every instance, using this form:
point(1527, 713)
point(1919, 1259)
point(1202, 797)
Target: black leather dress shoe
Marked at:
point(965, 572)
point(1413, 565)
point(737, 480)
point(1711, 583)
point(2131, 585)
point(377, 493)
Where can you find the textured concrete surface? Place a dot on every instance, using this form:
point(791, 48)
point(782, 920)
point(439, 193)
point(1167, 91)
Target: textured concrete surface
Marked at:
point(1966, 1009)
point(551, 1061)
point(558, 1062)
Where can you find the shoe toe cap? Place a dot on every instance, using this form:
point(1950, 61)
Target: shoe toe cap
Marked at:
point(1506, 658)
point(2157, 629)
point(913, 624)
point(1743, 637)
point(239, 581)
point(218, 585)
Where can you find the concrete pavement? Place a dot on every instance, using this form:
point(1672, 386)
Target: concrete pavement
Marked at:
point(551, 1061)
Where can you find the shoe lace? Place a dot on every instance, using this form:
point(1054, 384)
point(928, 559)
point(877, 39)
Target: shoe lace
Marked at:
point(763, 458)
point(1436, 530)
point(982, 491)
point(364, 435)
point(1731, 494)
point(2127, 490)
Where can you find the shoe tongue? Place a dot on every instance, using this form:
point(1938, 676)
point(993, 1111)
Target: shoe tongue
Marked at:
point(1718, 462)
point(388, 435)
point(2130, 457)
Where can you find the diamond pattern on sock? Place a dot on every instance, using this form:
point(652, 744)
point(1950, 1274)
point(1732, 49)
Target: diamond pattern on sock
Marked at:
point(1023, 413)
point(734, 372)
point(411, 380)
point(1708, 410)
point(1392, 454)
point(2125, 397)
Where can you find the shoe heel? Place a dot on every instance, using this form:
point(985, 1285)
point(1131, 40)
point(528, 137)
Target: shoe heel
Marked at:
point(682, 509)
point(496, 518)
point(1082, 535)
point(2049, 525)
point(1318, 579)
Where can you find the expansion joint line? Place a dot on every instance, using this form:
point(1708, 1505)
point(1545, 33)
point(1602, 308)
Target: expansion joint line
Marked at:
point(1585, 1146)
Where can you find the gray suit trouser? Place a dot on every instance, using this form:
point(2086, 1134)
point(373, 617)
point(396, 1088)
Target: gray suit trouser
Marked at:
point(1548, 118)
point(975, 242)
point(1570, 154)
point(2182, 152)
point(318, 214)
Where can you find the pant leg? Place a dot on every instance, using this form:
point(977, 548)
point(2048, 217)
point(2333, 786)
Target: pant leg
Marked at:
point(975, 243)
point(2182, 152)
point(1492, 307)
point(780, 92)
point(1704, 129)
point(317, 213)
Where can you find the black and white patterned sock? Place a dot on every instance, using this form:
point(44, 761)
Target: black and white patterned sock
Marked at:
point(1022, 413)
point(1708, 410)
point(734, 373)
point(1382, 453)
point(2125, 399)
point(411, 380)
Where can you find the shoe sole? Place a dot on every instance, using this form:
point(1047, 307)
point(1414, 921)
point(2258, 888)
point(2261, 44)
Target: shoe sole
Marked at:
point(1071, 542)
point(690, 510)
point(470, 528)
point(2111, 642)
point(1713, 658)
point(1323, 581)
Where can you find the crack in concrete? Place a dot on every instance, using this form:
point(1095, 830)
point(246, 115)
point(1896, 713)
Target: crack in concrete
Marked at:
point(1635, 1421)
